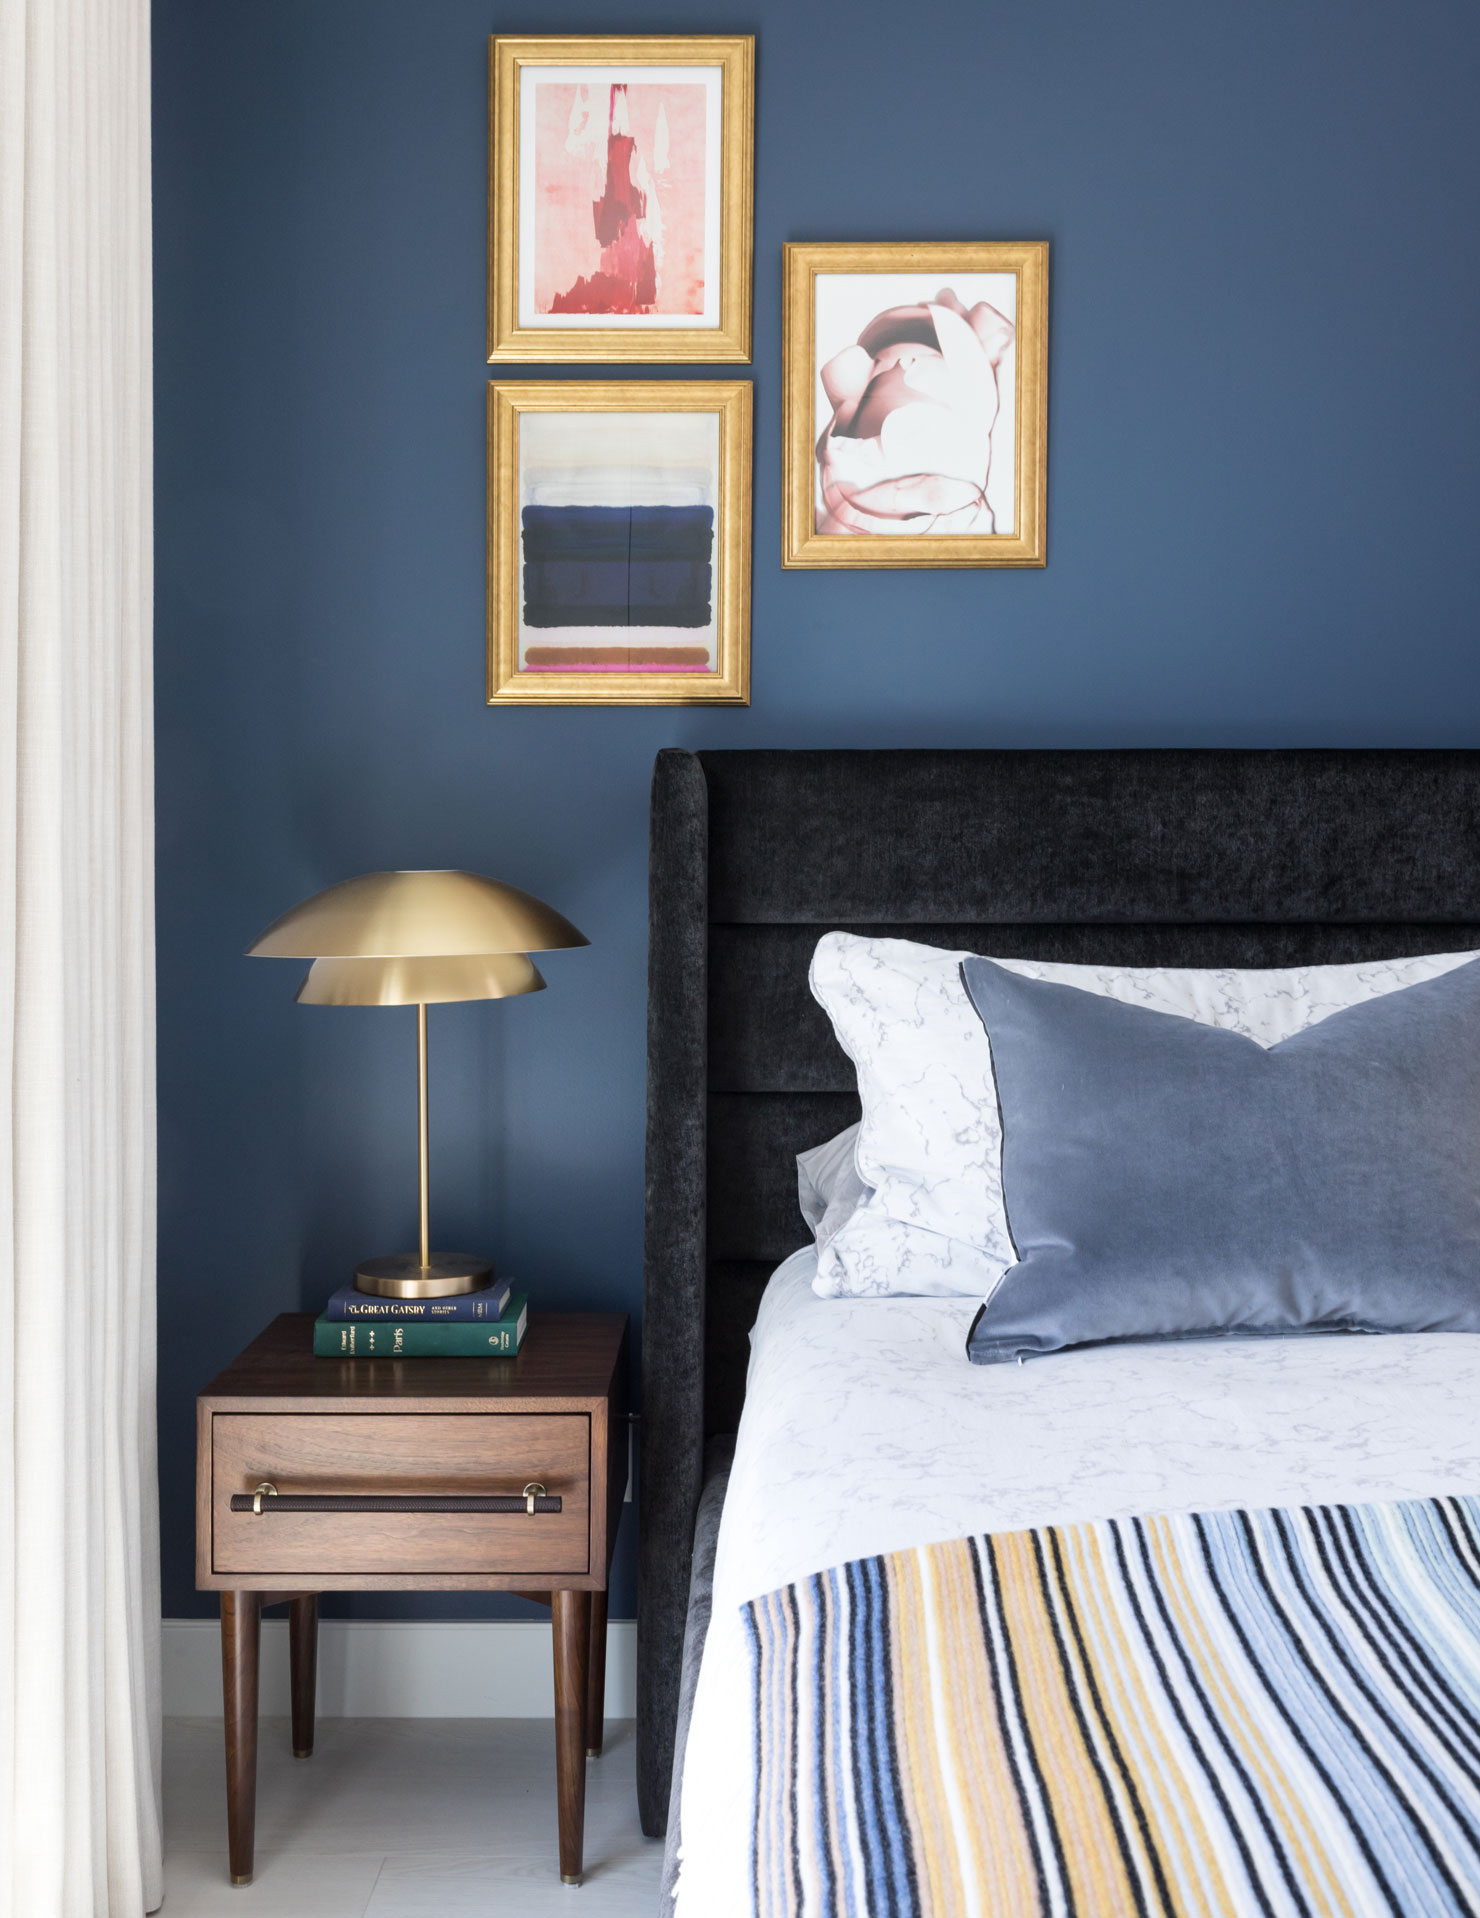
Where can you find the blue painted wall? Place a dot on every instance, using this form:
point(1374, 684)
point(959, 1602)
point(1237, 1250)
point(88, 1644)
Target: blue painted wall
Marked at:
point(1263, 501)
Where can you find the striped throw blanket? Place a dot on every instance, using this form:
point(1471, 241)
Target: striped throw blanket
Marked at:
point(1239, 1712)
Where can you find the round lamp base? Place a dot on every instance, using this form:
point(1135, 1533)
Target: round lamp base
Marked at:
point(403, 1276)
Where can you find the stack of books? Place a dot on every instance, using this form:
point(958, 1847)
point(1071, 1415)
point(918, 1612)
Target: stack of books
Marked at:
point(485, 1324)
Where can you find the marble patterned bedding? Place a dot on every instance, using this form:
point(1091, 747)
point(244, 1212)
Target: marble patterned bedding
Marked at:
point(866, 1431)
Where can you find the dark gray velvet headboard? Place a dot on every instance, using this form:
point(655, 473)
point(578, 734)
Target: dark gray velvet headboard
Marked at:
point(1140, 858)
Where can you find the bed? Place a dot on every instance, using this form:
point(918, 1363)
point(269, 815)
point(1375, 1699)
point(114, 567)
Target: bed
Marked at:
point(1186, 858)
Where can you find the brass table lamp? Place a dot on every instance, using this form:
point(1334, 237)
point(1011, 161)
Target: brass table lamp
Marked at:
point(418, 938)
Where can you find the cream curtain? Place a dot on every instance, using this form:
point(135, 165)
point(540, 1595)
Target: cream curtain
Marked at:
point(79, 1597)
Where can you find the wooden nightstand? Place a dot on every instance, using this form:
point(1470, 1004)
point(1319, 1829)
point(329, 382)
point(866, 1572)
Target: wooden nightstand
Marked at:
point(390, 1451)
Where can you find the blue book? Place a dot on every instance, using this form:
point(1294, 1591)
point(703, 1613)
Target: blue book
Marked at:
point(348, 1303)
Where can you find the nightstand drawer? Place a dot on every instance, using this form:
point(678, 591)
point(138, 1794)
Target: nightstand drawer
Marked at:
point(398, 1454)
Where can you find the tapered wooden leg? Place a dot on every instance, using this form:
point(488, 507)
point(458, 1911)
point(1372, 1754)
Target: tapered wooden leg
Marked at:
point(303, 1666)
point(571, 1616)
point(241, 1632)
point(596, 1677)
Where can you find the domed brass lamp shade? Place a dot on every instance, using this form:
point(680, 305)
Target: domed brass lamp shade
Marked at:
point(413, 915)
point(418, 938)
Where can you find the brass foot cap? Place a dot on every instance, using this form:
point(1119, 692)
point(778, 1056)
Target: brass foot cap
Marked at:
point(593, 1751)
point(570, 1881)
point(241, 1878)
point(307, 1752)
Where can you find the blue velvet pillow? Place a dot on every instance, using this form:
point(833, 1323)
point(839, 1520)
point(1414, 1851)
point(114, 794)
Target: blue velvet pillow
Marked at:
point(1165, 1179)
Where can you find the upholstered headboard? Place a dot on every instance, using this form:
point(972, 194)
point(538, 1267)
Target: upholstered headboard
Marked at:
point(1137, 858)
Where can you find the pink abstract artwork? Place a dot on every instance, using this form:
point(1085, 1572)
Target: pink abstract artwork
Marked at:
point(619, 198)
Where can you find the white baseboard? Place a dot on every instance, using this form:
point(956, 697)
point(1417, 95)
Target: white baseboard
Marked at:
point(491, 1668)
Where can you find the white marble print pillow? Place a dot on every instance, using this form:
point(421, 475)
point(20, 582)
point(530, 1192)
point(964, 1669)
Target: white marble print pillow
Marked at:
point(930, 1144)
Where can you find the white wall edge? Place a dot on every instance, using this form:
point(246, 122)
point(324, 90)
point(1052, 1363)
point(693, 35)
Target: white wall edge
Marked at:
point(485, 1668)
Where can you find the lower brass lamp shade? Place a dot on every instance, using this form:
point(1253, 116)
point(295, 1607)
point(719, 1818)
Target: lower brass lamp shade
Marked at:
point(410, 938)
point(437, 981)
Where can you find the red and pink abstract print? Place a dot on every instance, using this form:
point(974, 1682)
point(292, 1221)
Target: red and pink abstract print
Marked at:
point(619, 199)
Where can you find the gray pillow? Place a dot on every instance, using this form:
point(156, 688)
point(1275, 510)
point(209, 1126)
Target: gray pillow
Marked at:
point(829, 1190)
point(1165, 1179)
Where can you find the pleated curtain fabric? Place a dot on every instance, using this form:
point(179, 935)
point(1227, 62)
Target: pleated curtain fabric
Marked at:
point(79, 1578)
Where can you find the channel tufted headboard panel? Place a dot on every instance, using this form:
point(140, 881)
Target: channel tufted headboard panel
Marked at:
point(1135, 857)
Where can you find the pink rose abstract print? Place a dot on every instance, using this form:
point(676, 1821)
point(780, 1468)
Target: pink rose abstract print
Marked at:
point(909, 411)
point(619, 201)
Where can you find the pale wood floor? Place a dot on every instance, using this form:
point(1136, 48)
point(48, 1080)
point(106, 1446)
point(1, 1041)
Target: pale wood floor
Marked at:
point(404, 1818)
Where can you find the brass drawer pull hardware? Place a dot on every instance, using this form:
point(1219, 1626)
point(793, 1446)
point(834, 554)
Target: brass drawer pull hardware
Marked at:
point(533, 1499)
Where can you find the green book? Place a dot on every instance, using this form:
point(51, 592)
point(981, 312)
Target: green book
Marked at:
point(423, 1338)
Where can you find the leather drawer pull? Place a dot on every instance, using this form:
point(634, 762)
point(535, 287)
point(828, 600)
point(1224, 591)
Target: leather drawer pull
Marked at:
point(267, 1498)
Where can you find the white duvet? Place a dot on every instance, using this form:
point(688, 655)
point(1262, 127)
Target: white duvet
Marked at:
point(866, 1430)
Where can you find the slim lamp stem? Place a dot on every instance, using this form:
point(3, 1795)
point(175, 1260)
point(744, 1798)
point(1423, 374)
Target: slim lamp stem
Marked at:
point(421, 1129)
point(422, 1274)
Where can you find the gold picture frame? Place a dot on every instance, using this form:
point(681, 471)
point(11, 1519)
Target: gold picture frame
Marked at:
point(615, 462)
point(838, 495)
point(518, 328)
